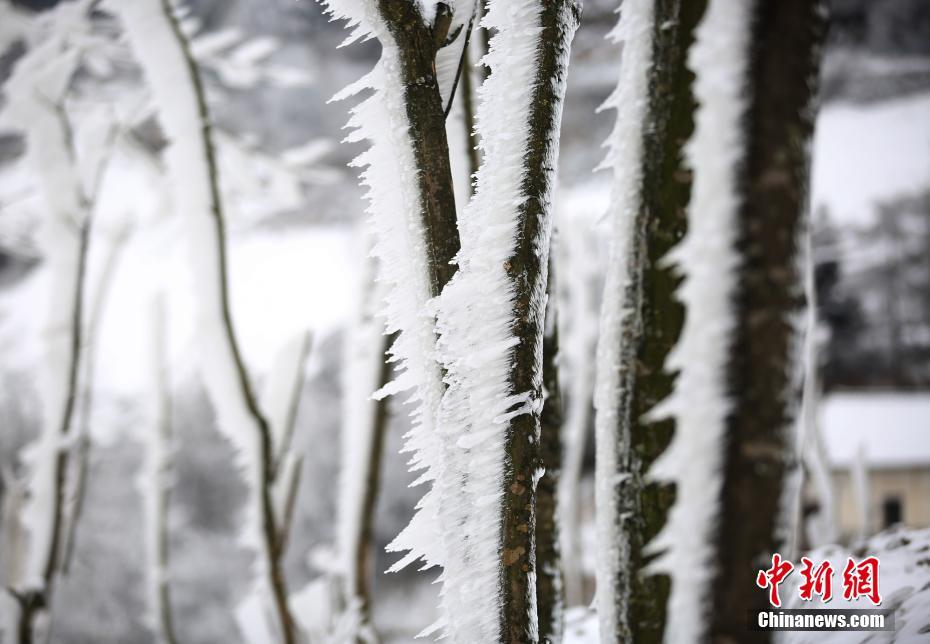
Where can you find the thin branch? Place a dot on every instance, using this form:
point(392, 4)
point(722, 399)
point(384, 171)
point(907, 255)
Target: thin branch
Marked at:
point(287, 432)
point(461, 66)
point(86, 405)
point(290, 502)
point(266, 454)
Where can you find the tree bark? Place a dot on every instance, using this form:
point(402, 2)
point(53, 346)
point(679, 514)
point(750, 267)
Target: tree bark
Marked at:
point(656, 322)
point(651, 321)
point(417, 44)
point(549, 594)
point(527, 269)
point(759, 454)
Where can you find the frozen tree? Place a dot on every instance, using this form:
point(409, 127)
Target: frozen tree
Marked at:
point(697, 382)
point(411, 195)
point(820, 528)
point(642, 316)
point(479, 389)
point(38, 90)
point(761, 373)
point(88, 380)
point(697, 501)
point(162, 48)
point(490, 319)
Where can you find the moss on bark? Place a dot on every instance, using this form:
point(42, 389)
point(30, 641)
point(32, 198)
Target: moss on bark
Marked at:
point(650, 333)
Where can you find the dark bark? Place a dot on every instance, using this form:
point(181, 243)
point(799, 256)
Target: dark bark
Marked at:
point(650, 333)
point(759, 454)
point(417, 43)
point(528, 270)
point(549, 596)
point(468, 117)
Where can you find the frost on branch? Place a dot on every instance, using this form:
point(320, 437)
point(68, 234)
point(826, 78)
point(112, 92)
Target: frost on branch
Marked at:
point(642, 316)
point(408, 273)
point(161, 47)
point(706, 257)
point(37, 92)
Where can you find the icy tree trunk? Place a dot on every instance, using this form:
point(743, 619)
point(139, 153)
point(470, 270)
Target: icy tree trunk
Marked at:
point(642, 316)
point(163, 51)
point(527, 271)
point(549, 593)
point(768, 301)
point(417, 44)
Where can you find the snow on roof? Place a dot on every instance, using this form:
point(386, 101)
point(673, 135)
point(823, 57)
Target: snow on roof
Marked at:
point(864, 154)
point(893, 427)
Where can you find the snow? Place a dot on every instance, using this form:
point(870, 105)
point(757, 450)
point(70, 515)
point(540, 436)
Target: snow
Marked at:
point(706, 257)
point(190, 161)
point(904, 584)
point(390, 176)
point(612, 438)
point(894, 429)
point(864, 154)
point(37, 90)
point(476, 337)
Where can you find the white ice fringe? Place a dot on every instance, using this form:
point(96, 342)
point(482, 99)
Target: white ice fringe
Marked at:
point(171, 80)
point(475, 316)
point(625, 151)
point(390, 176)
point(707, 258)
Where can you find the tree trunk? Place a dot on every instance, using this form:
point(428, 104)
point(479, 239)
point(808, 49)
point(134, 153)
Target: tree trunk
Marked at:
point(417, 44)
point(163, 50)
point(643, 316)
point(527, 270)
point(759, 443)
point(549, 594)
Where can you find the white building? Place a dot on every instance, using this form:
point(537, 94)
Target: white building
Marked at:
point(892, 430)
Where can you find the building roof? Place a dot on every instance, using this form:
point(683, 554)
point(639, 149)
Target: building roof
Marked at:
point(893, 428)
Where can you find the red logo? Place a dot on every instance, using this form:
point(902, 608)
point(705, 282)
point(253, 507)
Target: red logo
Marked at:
point(817, 581)
point(773, 577)
point(859, 579)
